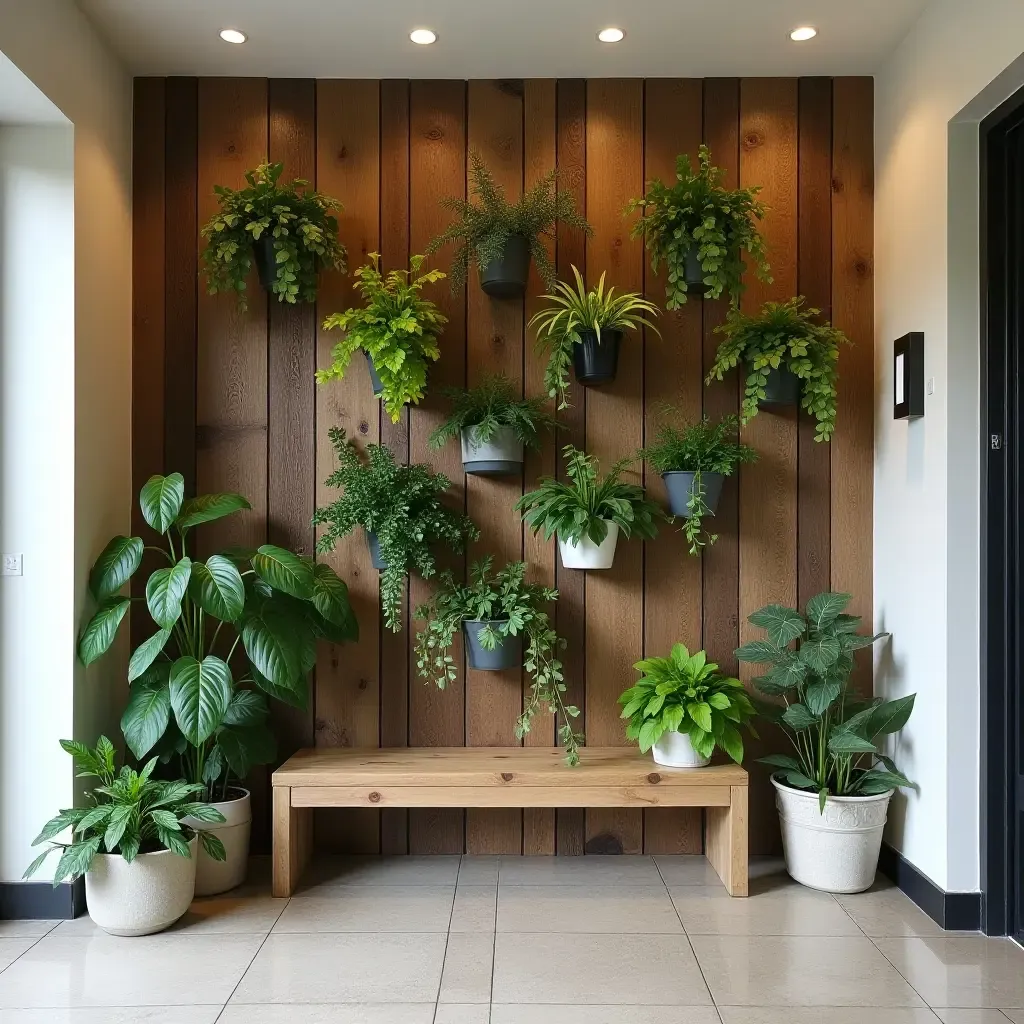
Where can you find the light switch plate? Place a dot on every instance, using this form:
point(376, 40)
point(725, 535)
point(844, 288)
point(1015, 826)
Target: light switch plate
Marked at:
point(12, 565)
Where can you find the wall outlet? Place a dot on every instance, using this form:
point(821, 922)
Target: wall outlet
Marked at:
point(11, 565)
point(930, 386)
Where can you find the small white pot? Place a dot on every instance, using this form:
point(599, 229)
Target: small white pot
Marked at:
point(502, 455)
point(143, 897)
point(214, 876)
point(587, 554)
point(837, 850)
point(675, 750)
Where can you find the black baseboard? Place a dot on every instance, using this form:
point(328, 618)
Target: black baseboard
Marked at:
point(40, 901)
point(954, 911)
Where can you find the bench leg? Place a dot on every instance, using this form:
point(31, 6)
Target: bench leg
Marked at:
point(292, 842)
point(726, 841)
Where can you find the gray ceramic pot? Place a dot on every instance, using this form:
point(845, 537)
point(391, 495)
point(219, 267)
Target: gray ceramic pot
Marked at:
point(502, 455)
point(680, 486)
point(506, 278)
point(694, 272)
point(375, 557)
point(508, 654)
point(378, 387)
point(781, 388)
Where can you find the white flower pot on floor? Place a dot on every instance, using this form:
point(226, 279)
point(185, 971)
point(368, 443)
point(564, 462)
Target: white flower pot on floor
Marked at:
point(836, 851)
point(214, 876)
point(675, 750)
point(143, 897)
point(588, 555)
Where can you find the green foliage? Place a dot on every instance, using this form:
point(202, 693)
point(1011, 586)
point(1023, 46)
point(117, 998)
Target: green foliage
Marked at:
point(686, 693)
point(483, 228)
point(834, 734)
point(585, 505)
point(302, 223)
point(401, 505)
point(185, 677)
point(511, 607)
point(397, 328)
point(783, 334)
point(698, 213)
point(128, 813)
point(575, 310)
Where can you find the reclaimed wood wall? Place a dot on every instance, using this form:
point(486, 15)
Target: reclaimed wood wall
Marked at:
point(229, 399)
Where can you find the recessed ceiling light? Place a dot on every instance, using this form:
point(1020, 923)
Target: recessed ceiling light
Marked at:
point(232, 35)
point(802, 34)
point(610, 35)
point(423, 36)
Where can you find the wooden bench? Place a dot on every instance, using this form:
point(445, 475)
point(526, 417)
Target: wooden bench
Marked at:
point(502, 777)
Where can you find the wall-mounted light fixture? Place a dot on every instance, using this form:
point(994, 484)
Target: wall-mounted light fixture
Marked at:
point(908, 376)
point(232, 35)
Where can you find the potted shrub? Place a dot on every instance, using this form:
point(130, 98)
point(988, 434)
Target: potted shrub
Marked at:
point(585, 328)
point(401, 510)
point(682, 707)
point(701, 231)
point(500, 237)
point(231, 630)
point(146, 878)
point(397, 329)
point(786, 354)
point(694, 461)
point(589, 511)
point(833, 791)
point(499, 612)
point(494, 424)
point(290, 232)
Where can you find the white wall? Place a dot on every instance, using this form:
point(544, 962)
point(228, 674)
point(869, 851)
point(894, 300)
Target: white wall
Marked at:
point(929, 97)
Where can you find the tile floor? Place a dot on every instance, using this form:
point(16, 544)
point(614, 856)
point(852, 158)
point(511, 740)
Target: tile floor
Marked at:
point(477, 940)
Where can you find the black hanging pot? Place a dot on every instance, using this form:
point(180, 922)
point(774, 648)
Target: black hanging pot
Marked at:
point(680, 486)
point(266, 260)
point(596, 361)
point(505, 277)
point(375, 556)
point(693, 274)
point(781, 388)
point(508, 654)
point(378, 386)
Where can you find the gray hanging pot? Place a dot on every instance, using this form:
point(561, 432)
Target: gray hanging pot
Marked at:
point(506, 277)
point(502, 455)
point(375, 556)
point(781, 388)
point(693, 273)
point(378, 386)
point(266, 260)
point(680, 486)
point(508, 654)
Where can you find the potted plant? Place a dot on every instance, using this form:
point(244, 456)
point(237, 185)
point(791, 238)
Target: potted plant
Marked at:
point(290, 232)
point(682, 707)
point(833, 791)
point(146, 878)
point(585, 328)
point(401, 510)
point(231, 630)
point(700, 230)
point(500, 237)
point(694, 461)
point(494, 424)
point(786, 353)
point(397, 329)
point(589, 511)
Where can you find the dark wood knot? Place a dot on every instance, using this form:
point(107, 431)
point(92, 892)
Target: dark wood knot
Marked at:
point(654, 778)
point(497, 339)
point(435, 134)
point(375, 798)
point(751, 140)
point(231, 148)
point(507, 776)
point(364, 427)
point(837, 186)
point(862, 268)
point(363, 684)
point(343, 152)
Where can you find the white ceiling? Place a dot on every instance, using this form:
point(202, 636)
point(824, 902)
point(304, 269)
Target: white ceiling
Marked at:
point(21, 102)
point(502, 38)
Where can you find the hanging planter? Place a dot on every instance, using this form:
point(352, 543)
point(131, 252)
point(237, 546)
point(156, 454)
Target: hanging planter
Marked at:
point(502, 455)
point(375, 382)
point(682, 490)
point(266, 261)
point(596, 358)
point(376, 558)
point(693, 272)
point(507, 654)
point(505, 276)
point(781, 388)
point(585, 554)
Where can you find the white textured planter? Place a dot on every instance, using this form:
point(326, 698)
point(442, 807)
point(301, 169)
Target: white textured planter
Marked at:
point(214, 876)
point(143, 897)
point(675, 750)
point(587, 554)
point(502, 455)
point(836, 851)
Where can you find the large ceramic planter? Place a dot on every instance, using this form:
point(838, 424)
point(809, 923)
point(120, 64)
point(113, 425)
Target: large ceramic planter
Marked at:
point(500, 456)
point(376, 558)
point(508, 654)
point(781, 388)
point(588, 555)
point(143, 897)
point(266, 260)
point(214, 876)
point(596, 360)
point(506, 277)
point(680, 488)
point(675, 750)
point(837, 850)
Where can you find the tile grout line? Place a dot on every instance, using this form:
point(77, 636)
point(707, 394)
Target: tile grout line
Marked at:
point(494, 938)
point(447, 939)
point(881, 953)
point(39, 938)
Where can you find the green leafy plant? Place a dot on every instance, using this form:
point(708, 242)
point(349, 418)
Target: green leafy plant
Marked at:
point(490, 406)
point(401, 505)
point(698, 448)
point(783, 334)
point(575, 310)
point(687, 693)
point(511, 607)
point(588, 502)
point(129, 813)
point(697, 214)
point(834, 734)
point(302, 223)
point(397, 328)
point(268, 607)
point(483, 228)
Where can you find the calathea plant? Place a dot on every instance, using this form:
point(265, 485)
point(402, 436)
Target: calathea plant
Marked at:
point(231, 630)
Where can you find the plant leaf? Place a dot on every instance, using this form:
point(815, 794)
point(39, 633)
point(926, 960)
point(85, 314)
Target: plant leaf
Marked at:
point(820, 654)
point(216, 586)
point(146, 653)
point(244, 748)
point(890, 717)
point(165, 591)
point(330, 598)
point(783, 625)
point(284, 571)
point(149, 710)
point(101, 629)
point(820, 693)
point(797, 717)
point(269, 638)
point(200, 694)
point(762, 651)
point(247, 708)
point(160, 500)
point(842, 741)
point(115, 566)
point(823, 609)
point(207, 507)
point(76, 859)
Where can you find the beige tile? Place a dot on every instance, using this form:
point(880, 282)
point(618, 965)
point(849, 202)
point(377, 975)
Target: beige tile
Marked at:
point(478, 870)
point(340, 968)
point(687, 870)
point(364, 908)
point(12, 948)
point(216, 915)
point(505, 1014)
point(330, 871)
point(622, 910)
point(885, 912)
point(948, 1016)
point(468, 961)
point(598, 969)
point(967, 971)
point(708, 911)
point(155, 970)
point(474, 908)
point(116, 1015)
point(799, 970)
point(1015, 1015)
point(825, 1015)
point(330, 1013)
point(26, 929)
point(589, 871)
point(463, 1013)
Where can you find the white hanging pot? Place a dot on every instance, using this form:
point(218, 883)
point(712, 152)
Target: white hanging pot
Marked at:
point(675, 750)
point(501, 455)
point(588, 555)
point(837, 850)
point(143, 897)
point(214, 876)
